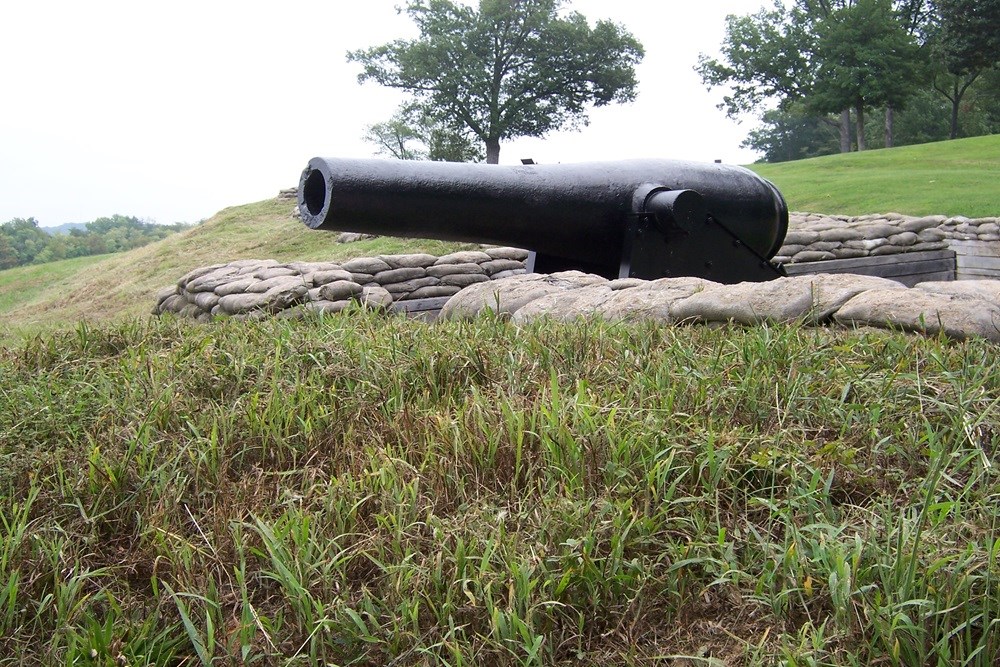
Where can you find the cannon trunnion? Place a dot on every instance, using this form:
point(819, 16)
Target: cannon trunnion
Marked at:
point(637, 218)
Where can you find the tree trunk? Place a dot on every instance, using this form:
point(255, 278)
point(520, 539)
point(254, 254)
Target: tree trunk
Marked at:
point(492, 151)
point(860, 129)
point(955, 102)
point(955, 95)
point(889, 119)
point(845, 131)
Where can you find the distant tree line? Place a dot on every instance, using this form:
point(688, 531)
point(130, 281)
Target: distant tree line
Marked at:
point(23, 242)
point(825, 76)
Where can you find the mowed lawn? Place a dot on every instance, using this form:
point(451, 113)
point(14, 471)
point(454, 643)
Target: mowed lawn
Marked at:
point(960, 177)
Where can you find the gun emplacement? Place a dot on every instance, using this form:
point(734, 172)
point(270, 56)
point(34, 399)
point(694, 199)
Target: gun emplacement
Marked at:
point(636, 218)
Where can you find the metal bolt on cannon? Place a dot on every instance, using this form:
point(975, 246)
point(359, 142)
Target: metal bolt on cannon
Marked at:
point(635, 218)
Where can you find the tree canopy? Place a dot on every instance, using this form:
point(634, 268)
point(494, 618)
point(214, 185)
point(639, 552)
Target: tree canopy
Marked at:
point(413, 134)
point(23, 241)
point(507, 69)
point(864, 59)
point(765, 57)
point(804, 66)
point(970, 33)
point(965, 41)
point(830, 55)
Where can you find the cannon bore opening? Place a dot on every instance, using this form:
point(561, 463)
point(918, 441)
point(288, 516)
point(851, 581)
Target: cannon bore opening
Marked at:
point(314, 192)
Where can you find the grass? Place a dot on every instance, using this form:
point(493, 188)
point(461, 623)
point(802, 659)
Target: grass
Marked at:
point(41, 298)
point(20, 286)
point(362, 490)
point(367, 491)
point(954, 178)
point(960, 177)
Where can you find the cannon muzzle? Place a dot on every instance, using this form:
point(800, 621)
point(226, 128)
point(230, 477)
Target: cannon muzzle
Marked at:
point(637, 218)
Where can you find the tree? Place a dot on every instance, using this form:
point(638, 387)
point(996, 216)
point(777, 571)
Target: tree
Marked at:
point(916, 17)
point(765, 57)
point(770, 58)
point(865, 59)
point(8, 255)
point(970, 30)
point(22, 241)
point(25, 240)
point(396, 138)
point(986, 100)
point(512, 68)
point(829, 55)
point(793, 134)
point(414, 134)
point(925, 118)
point(966, 44)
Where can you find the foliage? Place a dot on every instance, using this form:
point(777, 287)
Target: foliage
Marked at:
point(415, 134)
point(792, 135)
point(370, 490)
point(765, 57)
point(798, 134)
point(874, 58)
point(984, 106)
point(23, 242)
point(924, 119)
point(865, 59)
point(507, 69)
point(968, 35)
point(965, 43)
point(396, 138)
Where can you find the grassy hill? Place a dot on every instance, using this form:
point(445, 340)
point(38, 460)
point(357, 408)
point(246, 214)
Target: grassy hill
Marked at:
point(960, 177)
point(955, 178)
point(39, 298)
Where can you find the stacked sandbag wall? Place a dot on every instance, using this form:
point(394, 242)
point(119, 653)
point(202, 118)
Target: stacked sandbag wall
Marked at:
point(814, 238)
point(257, 288)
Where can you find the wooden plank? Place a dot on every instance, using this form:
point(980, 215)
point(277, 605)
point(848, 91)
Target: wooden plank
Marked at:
point(848, 265)
point(882, 269)
point(977, 248)
point(926, 266)
point(978, 262)
point(977, 274)
point(940, 276)
point(976, 259)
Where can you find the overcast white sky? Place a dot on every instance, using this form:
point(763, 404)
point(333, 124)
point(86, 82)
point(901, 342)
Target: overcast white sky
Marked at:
point(172, 111)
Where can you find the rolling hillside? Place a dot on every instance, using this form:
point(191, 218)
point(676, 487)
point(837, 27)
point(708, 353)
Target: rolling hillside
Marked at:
point(960, 177)
point(956, 178)
point(42, 297)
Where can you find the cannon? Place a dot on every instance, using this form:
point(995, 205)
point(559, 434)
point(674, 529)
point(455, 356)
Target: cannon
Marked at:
point(635, 218)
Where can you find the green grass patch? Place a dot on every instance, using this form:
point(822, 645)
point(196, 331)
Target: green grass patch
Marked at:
point(367, 490)
point(960, 177)
point(125, 285)
point(24, 284)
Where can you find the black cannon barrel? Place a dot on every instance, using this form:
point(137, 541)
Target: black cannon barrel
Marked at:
point(576, 212)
